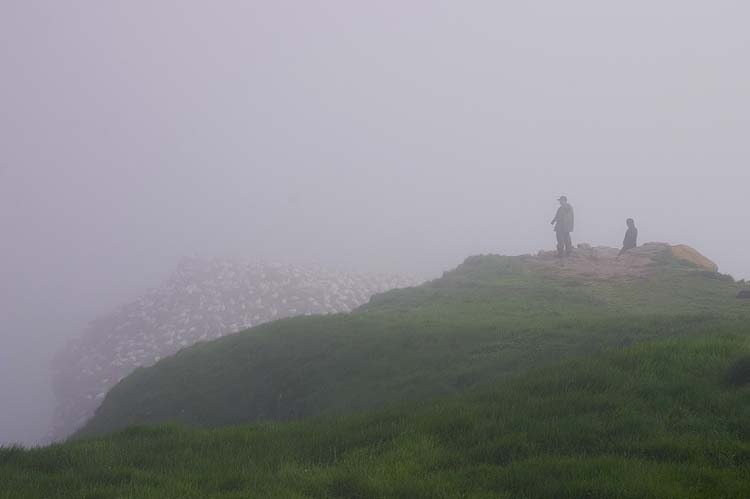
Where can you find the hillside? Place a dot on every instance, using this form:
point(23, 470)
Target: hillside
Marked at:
point(490, 318)
point(599, 377)
point(666, 419)
point(202, 299)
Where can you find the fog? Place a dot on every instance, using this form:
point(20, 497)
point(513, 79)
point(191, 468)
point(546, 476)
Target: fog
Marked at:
point(374, 136)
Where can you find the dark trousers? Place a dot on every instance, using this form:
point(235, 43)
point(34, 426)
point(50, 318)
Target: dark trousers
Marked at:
point(564, 244)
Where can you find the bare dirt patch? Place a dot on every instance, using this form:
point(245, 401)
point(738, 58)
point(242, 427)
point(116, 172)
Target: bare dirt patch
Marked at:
point(604, 263)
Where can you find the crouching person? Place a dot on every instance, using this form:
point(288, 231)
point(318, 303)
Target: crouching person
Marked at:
point(631, 237)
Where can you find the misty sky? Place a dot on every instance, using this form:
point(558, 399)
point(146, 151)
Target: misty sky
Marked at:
point(386, 136)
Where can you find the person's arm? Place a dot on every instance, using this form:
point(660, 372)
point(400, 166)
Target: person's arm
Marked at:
point(557, 216)
point(572, 219)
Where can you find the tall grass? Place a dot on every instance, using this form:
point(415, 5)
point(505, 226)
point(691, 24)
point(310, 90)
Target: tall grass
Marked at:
point(493, 381)
point(655, 420)
point(490, 318)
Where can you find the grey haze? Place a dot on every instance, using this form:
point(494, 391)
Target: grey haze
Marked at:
point(375, 136)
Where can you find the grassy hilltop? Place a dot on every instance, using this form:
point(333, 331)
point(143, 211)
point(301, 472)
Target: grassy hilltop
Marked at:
point(491, 317)
point(507, 377)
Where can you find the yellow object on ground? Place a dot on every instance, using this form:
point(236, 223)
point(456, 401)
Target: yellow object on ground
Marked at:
point(688, 254)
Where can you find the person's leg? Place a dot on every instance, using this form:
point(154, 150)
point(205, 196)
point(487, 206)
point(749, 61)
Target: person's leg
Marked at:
point(560, 243)
point(568, 244)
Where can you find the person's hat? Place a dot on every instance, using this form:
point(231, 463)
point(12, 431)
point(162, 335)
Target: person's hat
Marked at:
point(562, 198)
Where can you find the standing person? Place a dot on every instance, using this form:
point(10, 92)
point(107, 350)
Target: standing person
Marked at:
point(564, 222)
point(631, 237)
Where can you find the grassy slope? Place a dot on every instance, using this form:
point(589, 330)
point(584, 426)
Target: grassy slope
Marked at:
point(487, 319)
point(654, 420)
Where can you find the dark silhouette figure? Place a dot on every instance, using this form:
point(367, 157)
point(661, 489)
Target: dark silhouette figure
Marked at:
point(631, 237)
point(564, 222)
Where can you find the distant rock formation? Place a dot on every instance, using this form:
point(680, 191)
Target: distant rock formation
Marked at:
point(202, 300)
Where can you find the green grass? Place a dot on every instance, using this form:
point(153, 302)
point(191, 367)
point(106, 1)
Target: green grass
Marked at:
point(490, 318)
point(655, 420)
point(492, 382)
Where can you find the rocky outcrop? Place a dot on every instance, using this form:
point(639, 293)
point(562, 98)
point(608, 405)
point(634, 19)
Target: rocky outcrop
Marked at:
point(202, 300)
point(688, 254)
point(601, 262)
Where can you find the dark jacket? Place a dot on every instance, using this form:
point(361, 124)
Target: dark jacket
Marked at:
point(631, 239)
point(564, 219)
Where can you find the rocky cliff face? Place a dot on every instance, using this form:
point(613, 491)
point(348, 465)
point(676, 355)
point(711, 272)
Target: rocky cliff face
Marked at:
point(202, 300)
